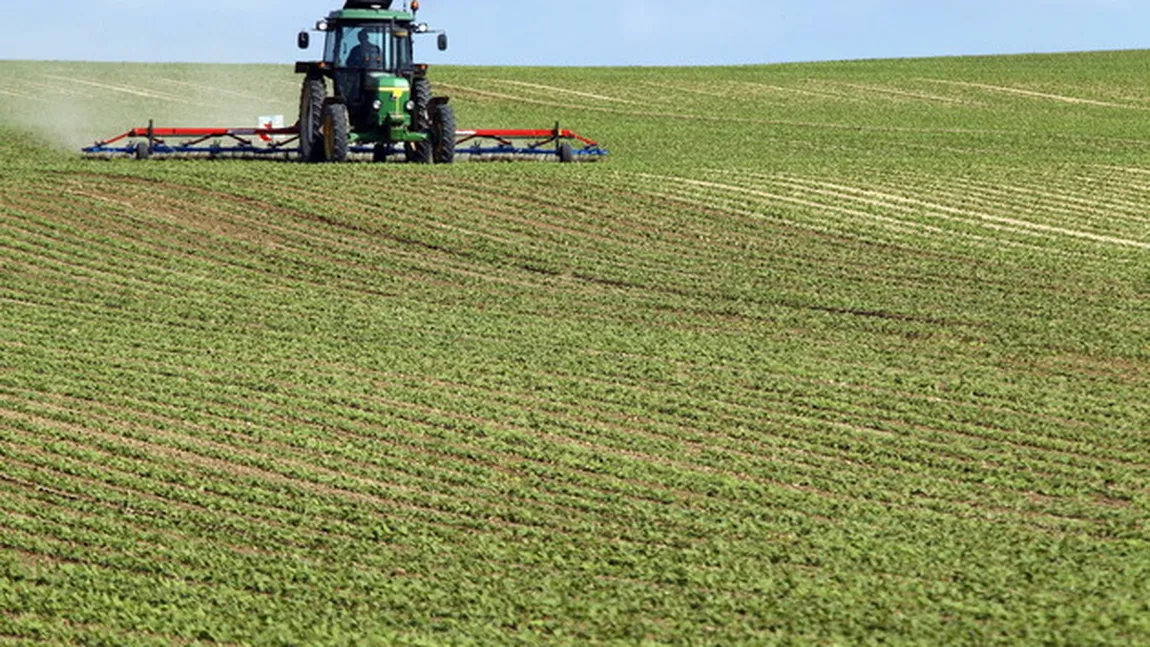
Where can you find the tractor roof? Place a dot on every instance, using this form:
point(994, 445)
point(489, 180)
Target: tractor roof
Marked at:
point(370, 10)
point(368, 4)
point(368, 15)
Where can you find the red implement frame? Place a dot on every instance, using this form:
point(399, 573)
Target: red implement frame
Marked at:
point(506, 136)
point(201, 135)
point(479, 143)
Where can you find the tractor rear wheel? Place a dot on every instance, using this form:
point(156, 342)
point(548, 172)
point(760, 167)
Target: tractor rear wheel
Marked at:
point(311, 100)
point(443, 134)
point(336, 130)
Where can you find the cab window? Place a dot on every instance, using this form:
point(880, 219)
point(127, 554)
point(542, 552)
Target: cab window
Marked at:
point(362, 47)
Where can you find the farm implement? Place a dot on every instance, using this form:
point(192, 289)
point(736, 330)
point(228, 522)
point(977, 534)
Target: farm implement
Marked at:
point(366, 99)
point(269, 142)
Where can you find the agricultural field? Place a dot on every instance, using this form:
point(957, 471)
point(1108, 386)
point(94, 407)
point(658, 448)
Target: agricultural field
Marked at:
point(824, 354)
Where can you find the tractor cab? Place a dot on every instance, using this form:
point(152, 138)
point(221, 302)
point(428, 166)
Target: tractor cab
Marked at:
point(381, 47)
point(369, 63)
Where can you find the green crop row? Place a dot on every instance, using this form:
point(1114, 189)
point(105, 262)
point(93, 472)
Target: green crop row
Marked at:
point(822, 354)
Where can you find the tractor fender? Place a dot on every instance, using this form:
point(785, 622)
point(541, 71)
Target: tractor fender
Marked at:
point(438, 101)
point(312, 68)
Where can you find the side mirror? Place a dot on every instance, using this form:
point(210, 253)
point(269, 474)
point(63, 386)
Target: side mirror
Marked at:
point(304, 40)
point(442, 42)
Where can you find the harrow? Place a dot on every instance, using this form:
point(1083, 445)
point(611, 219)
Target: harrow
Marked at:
point(268, 142)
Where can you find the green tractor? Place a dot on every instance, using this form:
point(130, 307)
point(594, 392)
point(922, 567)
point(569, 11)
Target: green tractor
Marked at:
point(380, 100)
point(378, 104)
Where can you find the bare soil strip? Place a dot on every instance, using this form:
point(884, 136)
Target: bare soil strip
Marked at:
point(933, 98)
point(678, 91)
point(1127, 169)
point(212, 88)
point(889, 231)
point(1036, 95)
point(718, 118)
point(904, 226)
point(1061, 203)
point(167, 491)
point(41, 88)
point(968, 215)
point(892, 232)
point(895, 223)
point(551, 88)
point(1084, 200)
point(807, 93)
point(479, 499)
point(110, 494)
point(20, 95)
point(320, 482)
point(508, 97)
point(125, 90)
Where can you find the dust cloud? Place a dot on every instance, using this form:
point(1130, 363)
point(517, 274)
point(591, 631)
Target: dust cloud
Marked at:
point(71, 105)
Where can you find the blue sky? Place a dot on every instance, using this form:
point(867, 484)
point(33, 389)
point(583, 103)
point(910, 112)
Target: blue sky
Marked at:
point(567, 32)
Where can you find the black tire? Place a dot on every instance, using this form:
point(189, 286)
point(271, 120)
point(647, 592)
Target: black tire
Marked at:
point(336, 132)
point(421, 100)
point(443, 134)
point(421, 152)
point(311, 100)
point(418, 152)
point(566, 153)
point(380, 152)
point(143, 150)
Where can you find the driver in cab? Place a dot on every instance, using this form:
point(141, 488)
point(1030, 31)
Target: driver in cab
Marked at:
point(365, 54)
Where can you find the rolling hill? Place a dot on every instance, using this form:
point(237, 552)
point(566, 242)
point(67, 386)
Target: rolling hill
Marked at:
point(841, 353)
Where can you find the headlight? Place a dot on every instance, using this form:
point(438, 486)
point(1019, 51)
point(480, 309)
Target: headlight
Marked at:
point(377, 105)
point(410, 106)
point(321, 25)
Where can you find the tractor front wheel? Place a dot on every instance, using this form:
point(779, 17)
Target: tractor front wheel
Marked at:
point(421, 105)
point(418, 152)
point(443, 134)
point(336, 129)
point(311, 100)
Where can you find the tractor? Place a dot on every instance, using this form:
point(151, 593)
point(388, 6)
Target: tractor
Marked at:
point(380, 97)
point(378, 105)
